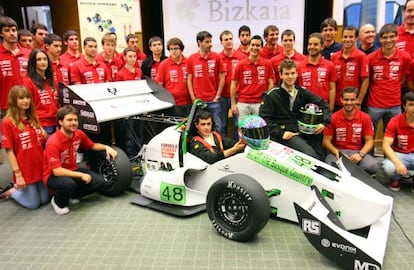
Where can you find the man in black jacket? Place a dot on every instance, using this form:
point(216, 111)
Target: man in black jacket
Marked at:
point(284, 105)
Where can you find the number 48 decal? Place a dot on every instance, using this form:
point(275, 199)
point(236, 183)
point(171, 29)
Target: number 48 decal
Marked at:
point(172, 193)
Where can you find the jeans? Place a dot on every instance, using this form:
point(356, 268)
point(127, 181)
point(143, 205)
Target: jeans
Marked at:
point(389, 167)
point(50, 130)
point(385, 113)
point(225, 103)
point(32, 196)
point(215, 110)
point(66, 187)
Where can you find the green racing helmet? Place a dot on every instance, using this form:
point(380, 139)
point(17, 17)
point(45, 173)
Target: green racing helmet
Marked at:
point(254, 131)
point(309, 118)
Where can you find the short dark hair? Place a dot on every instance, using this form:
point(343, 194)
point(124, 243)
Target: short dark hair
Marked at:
point(288, 32)
point(65, 110)
point(318, 36)
point(201, 36)
point(23, 33)
point(50, 38)
point(349, 90)
point(7, 22)
point(68, 34)
point(351, 28)
point(409, 96)
point(244, 28)
point(256, 37)
point(88, 39)
point(388, 28)
point(175, 41)
point(129, 36)
point(287, 64)
point(37, 26)
point(154, 39)
point(406, 3)
point(202, 114)
point(328, 22)
point(129, 49)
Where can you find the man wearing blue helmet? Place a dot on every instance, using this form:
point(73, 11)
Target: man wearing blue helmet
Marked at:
point(295, 116)
point(208, 144)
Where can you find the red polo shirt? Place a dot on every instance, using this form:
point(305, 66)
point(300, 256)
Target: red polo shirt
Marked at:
point(84, 72)
point(27, 146)
point(174, 79)
point(405, 40)
point(349, 133)
point(60, 73)
point(402, 133)
point(205, 71)
point(265, 52)
point(252, 79)
point(113, 66)
point(45, 101)
point(349, 71)
point(278, 59)
point(125, 74)
point(67, 59)
point(61, 151)
point(230, 62)
point(13, 68)
point(316, 78)
point(385, 78)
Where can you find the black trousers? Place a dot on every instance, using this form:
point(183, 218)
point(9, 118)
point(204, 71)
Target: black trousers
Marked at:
point(65, 187)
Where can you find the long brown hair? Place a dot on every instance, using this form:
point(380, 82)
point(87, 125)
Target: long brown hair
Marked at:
point(13, 113)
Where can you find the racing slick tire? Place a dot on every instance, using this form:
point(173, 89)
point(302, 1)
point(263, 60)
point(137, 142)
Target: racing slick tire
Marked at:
point(238, 207)
point(117, 173)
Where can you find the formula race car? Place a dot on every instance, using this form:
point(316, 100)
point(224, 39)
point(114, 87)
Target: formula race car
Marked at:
point(344, 213)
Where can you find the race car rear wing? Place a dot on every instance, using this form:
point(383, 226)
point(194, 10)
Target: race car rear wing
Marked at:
point(101, 102)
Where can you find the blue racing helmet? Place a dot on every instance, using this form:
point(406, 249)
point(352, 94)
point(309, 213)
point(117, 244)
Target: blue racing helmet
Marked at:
point(254, 131)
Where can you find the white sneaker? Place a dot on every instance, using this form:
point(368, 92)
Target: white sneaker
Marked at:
point(58, 210)
point(74, 201)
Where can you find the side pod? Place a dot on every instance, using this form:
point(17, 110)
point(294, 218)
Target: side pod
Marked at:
point(360, 250)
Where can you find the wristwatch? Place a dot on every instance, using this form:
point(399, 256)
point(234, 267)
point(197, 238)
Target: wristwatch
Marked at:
point(361, 154)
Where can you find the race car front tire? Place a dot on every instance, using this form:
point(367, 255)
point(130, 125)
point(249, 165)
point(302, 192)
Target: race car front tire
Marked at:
point(117, 173)
point(238, 207)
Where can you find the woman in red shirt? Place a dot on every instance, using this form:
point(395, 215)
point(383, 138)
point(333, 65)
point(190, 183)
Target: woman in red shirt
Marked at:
point(40, 84)
point(23, 139)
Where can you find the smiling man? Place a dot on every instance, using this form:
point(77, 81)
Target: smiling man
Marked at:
point(350, 133)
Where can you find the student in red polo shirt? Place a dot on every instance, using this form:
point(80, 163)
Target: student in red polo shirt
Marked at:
point(230, 58)
point(271, 49)
point(23, 139)
point(132, 42)
point(44, 92)
point(316, 73)
point(172, 75)
point(87, 69)
point(289, 52)
point(252, 77)
point(350, 133)
point(351, 66)
point(72, 54)
point(108, 56)
point(13, 64)
point(60, 172)
point(206, 76)
point(389, 68)
point(398, 144)
point(129, 72)
point(405, 39)
point(244, 37)
point(151, 64)
point(54, 49)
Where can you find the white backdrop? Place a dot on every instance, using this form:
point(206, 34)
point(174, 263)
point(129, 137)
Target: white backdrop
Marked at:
point(184, 18)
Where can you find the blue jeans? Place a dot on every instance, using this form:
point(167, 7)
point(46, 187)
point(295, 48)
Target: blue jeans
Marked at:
point(225, 103)
point(50, 130)
point(215, 110)
point(385, 113)
point(32, 196)
point(389, 167)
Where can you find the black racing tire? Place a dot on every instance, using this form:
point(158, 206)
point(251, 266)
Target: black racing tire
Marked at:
point(238, 207)
point(117, 173)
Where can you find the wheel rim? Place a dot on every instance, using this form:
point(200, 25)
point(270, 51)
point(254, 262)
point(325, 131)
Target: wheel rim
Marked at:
point(233, 210)
point(108, 170)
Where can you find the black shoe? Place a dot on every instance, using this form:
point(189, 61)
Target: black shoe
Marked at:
point(3, 190)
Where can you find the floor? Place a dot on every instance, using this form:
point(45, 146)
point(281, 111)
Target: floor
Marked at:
point(111, 233)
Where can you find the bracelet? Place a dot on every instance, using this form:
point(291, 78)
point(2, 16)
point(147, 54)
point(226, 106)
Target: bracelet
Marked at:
point(217, 97)
point(17, 171)
point(361, 154)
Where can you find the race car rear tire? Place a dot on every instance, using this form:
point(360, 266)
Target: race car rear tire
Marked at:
point(117, 173)
point(238, 207)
